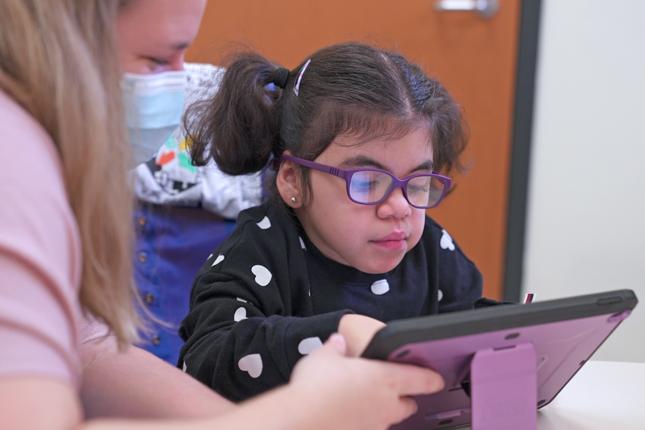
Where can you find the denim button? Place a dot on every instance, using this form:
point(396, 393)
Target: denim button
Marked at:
point(149, 298)
point(143, 257)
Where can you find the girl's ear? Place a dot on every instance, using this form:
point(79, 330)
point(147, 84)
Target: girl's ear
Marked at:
point(289, 184)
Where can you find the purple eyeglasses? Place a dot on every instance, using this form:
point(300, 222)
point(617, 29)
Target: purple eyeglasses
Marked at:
point(373, 186)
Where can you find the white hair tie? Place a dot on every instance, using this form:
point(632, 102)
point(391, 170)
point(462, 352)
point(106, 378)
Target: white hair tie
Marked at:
point(296, 88)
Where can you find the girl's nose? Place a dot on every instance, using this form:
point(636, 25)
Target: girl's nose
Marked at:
point(395, 205)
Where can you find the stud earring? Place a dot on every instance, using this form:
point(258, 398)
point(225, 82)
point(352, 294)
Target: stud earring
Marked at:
point(293, 199)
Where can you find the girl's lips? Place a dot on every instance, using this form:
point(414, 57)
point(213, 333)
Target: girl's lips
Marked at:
point(392, 241)
point(397, 235)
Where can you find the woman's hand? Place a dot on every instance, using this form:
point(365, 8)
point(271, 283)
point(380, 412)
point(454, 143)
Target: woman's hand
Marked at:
point(358, 330)
point(355, 393)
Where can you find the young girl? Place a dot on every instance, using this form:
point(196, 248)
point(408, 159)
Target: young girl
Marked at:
point(359, 135)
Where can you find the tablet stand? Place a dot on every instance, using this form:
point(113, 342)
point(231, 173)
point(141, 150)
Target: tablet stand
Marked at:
point(503, 387)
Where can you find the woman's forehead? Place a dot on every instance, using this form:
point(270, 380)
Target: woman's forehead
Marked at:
point(173, 23)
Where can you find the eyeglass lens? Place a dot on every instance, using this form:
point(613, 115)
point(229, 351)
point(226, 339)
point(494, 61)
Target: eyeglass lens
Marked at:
point(371, 187)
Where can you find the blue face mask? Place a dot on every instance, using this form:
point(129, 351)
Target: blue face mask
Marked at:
point(153, 107)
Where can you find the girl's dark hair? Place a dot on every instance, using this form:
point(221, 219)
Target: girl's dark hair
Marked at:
point(349, 88)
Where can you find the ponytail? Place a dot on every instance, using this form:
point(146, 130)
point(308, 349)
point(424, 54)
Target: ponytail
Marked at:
point(239, 126)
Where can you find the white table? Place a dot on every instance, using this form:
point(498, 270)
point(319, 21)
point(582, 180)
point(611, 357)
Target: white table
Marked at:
point(603, 395)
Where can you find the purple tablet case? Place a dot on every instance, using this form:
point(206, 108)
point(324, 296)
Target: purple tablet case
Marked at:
point(500, 364)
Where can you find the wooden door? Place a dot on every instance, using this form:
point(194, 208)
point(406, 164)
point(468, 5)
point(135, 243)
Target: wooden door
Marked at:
point(474, 57)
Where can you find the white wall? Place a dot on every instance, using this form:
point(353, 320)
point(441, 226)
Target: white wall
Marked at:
point(586, 214)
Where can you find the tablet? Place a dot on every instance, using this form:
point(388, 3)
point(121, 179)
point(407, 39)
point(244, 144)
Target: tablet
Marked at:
point(500, 363)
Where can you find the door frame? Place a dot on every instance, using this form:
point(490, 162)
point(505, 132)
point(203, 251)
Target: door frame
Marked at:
point(521, 143)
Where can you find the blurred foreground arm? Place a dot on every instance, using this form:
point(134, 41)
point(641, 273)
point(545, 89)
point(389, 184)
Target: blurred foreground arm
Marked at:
point(136, 384)
point(327, 391)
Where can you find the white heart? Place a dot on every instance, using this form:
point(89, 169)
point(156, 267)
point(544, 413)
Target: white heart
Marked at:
point(218, 260)
point(380, 287)
point(265, 223)
point(240, 314)
point(446, 241)
point(262, 275)
point(252, 364)
point(439, 295)
point(302, 243)
point(309, 345)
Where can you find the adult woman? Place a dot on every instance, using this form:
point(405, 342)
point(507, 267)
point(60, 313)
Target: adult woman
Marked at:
point(176, 224)
point(65, 247)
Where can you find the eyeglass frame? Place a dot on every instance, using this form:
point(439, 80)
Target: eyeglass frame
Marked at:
point(347, 174)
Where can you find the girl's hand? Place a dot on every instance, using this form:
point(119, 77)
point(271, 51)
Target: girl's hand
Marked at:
point(356, 393)
point(358, 330)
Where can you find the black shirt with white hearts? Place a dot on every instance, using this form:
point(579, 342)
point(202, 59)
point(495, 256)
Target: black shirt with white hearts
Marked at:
point(266, 297)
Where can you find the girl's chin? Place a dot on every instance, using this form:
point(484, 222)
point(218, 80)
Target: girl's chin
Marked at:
point(376, 268)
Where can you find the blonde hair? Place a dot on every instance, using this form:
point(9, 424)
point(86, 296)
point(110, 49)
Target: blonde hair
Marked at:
point(58, 60)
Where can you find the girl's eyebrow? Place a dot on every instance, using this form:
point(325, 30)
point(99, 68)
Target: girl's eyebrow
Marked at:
point(363, 161)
